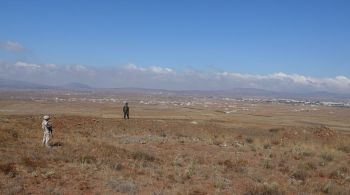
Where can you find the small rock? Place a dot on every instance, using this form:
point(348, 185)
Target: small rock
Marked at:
point(224, 145)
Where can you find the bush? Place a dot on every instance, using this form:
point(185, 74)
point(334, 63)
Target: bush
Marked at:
point(267, 146)
point(267, 164)
point(264, 189)
point(300, 174)
point(344, 148)
point(238, 166)
point(249, 140)
point(327, 156)
point(33, 163)
point(87, 159)
point(274, 130)
point(140, 155)
point(9, 169)
point(123, 186)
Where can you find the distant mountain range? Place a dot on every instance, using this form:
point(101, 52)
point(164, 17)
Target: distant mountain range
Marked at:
point(14, 84)
point(18, 85)
point(236, 92)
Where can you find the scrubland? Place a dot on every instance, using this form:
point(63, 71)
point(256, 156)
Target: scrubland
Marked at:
point(167, 149)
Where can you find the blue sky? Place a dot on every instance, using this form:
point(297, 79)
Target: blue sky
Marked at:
point(310, 38)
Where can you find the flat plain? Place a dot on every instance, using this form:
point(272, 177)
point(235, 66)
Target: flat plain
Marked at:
point(172, 144)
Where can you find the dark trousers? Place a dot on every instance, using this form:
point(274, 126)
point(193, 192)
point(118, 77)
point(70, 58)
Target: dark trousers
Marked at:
point(126, 114)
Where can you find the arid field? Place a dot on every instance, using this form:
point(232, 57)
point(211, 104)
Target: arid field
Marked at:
point(171, 145)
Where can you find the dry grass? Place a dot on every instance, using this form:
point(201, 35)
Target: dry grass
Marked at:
point(264, 189)
point(219, 154)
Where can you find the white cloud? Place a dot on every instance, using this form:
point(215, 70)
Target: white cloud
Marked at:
point(160, 70)
point(12, 46)
point(77, 68)
point(153, 69)
point(51, 66)
point(132, 75)
point(26, 66)
point(133, 67)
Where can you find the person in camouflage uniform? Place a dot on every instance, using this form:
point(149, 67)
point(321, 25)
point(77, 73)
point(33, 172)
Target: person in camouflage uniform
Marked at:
point(126, 110)
point(47, 130)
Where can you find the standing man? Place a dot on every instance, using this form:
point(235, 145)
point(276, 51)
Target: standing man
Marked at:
point(47, 129)
point(126, 110)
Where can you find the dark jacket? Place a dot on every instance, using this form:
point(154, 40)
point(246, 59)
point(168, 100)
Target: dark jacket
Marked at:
point(126, 109)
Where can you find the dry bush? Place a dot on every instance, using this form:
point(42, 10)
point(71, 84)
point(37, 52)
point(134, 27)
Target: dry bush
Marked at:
point(198, 192)
point(217, 141)
point(264, 189)
point(310, 166)
point(123, 186)
point(249, 140)
point(189, 172)
point(239, 166)
point(284, 170)
point(267, 146)
point(332, 188)
point(338, 173)
point(112, 151)
point(275, 141)
point(9, 169)
point(34, 163)
point(268, 164)
point(301, 150)
point(87, 159)
point(141, 155)
point(308, 153)
point(116, 166)
point(219, 182)
point(8, 135)
point(344, 147)
point(283, 167)
point(300, 174)
point(327, 156)
point(275, 130)
point(335, 174)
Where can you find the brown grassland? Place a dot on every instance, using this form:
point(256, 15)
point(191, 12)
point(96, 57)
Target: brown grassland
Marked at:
point(171, 148)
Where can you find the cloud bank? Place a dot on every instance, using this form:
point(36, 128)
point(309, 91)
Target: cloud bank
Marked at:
point(131, 75)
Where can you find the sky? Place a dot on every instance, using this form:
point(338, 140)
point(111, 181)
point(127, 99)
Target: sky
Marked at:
point(281, 45)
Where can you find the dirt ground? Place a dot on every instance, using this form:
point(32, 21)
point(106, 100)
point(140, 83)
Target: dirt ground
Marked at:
point(171, 145)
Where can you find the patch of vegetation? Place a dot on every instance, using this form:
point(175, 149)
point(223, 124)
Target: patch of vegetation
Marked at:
point(300, 174)
point(117, 166)
point(123, 186)
point(344, 148)
point(249, 140)
point(268, 164)
point(87, 159)
point(327, 156)
point(274, 130)
point(308, 153)
point(219, 182)
point(267, 146)
point(9, 169)
point(275, 141)
point(264, 189)
point(140, 155)
point(33, 163)
point(238, 166)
